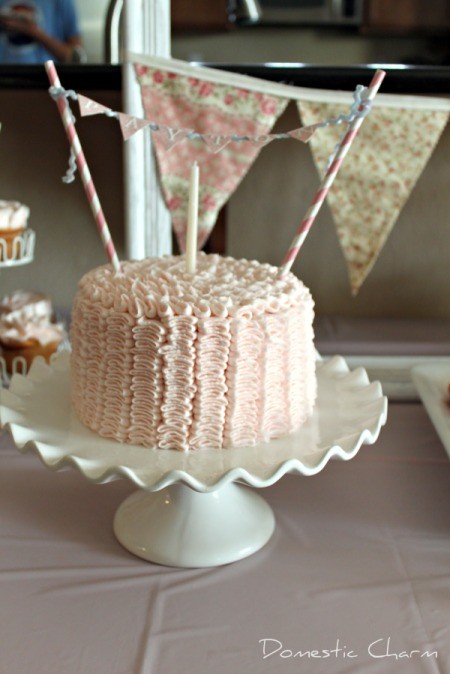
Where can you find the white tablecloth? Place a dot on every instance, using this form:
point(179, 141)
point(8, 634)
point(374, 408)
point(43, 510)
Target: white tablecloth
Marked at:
point(356, 575)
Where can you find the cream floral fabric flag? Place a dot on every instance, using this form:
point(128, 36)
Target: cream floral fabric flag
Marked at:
point(383, 165)
point(181, 103)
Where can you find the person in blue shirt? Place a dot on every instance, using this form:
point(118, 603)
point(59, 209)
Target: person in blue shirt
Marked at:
point(34, 31)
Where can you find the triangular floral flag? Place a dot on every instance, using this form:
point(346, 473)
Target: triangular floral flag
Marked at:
point(130, 125)
point(171, 137)
point(216, 142)
point(90, 107)
point(304, 133)
point(386, 159)
point(261, 141)
point(208, 107)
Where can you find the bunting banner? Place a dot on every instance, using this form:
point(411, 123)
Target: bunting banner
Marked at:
point(222, 120)
point(242, 115)
point(171, 136)
point(388, 156)
point(185, 103)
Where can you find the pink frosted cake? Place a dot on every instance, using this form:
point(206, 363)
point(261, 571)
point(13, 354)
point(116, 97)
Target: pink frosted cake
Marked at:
point(163, 358)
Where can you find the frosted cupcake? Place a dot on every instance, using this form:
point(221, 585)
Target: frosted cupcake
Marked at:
point(13, 221)
point(28, 328)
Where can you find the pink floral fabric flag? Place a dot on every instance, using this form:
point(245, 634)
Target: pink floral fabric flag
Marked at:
point(374, 182)
point(130, 125)
point(90, 107)
point(214, 109)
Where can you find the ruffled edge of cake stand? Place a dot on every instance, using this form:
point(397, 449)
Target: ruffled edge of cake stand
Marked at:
point(356, 383)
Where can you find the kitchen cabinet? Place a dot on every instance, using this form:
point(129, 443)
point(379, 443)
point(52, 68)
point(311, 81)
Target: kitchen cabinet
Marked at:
point(199, 15)
point(405, 17)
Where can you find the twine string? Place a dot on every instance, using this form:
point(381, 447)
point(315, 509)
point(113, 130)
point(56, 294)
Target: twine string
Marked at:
point(360, 107)
point(61, 92)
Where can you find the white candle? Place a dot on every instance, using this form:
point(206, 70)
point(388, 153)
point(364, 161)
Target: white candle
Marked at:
point(192, 225)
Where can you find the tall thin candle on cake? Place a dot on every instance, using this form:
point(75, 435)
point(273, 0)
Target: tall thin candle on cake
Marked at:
point(192, 225)
point(80, 159)
point(328, 179)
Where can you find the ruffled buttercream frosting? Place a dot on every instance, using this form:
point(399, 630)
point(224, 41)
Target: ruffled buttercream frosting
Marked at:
point(220, 358)
point(220, 287)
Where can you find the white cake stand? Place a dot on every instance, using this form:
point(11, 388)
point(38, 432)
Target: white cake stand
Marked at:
point(189, 511)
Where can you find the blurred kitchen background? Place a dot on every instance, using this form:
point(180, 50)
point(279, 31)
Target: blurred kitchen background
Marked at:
point(338, 32)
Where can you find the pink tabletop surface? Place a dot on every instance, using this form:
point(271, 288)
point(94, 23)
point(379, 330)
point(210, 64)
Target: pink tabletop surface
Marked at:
point(360, 561)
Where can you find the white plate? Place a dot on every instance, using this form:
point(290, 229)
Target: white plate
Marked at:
point(431, 381)
point(349, 412)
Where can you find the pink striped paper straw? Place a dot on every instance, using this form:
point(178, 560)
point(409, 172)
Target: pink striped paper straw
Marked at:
point(328, 179)
point(83, 168)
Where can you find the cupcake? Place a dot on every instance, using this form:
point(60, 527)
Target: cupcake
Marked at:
point(13, 221)
point(28, 328)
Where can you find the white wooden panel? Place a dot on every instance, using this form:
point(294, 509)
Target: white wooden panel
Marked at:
point(146, 29)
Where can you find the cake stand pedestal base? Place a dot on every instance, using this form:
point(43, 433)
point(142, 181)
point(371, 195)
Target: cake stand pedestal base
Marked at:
point(178, 526)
